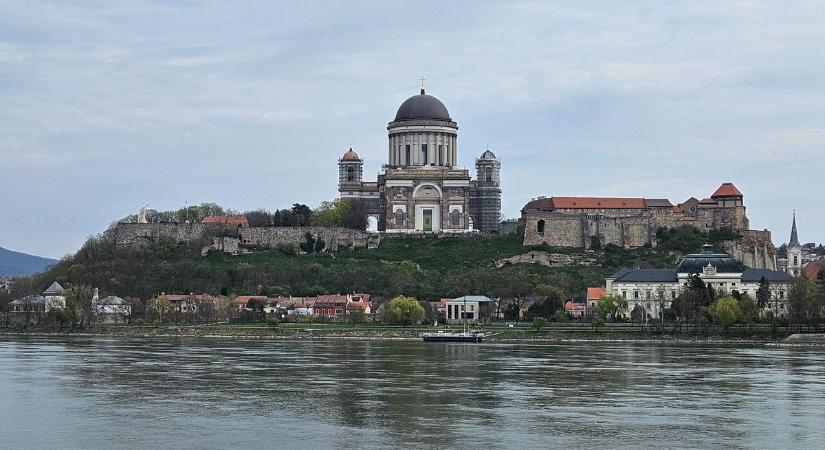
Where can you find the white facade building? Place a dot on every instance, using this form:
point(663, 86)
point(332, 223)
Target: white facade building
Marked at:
point(655, 289)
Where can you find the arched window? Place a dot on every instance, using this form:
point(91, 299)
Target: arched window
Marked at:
point(488, 174)
point(399, 217)
point(540, 226)
point(455, 218)
point(350, 173)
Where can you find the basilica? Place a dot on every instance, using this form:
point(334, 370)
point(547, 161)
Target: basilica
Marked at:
point(421, 188)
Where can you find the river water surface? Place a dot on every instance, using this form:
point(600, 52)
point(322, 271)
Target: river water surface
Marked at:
point(96, 393)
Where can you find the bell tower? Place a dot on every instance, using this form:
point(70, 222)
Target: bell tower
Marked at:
point(350, 174)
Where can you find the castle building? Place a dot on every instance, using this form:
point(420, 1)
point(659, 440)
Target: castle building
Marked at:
point(421, 188)
point(588, 222)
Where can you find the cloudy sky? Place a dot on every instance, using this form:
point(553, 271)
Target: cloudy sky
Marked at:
point(106, 106)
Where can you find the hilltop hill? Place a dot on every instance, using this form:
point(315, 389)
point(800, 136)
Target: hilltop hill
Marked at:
point(16, 264)
point(424, 268)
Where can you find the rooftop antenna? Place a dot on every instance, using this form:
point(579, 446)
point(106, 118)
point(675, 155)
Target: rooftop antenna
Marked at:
point(422, 84)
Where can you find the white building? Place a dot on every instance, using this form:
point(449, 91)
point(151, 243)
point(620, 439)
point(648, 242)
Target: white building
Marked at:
point(111, 309)
point(655, 289)
point(472, 308)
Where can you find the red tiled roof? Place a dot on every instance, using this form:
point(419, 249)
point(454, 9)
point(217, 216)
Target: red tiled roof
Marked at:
point(539, 204)
point(244, 299)
point(595, 293)
point(598, 203)
point(585, 203)
point(571, 306)
point(727, 190)
point(229, 220)
point(811, 270)
point(357, 305)
point(707, 201)
point(181, 297)
point(350, 155)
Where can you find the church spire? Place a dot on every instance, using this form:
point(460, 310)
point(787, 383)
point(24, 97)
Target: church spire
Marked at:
point(794, 235)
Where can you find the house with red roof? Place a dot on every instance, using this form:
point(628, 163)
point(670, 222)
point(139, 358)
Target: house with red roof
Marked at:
point(239, 220)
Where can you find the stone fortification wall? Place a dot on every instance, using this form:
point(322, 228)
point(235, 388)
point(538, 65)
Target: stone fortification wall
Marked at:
point(232, 239)
point(755, 249)
point(585, 230)
point(333, 236)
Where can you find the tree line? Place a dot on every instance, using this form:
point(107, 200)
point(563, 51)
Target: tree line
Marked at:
point(346, 213)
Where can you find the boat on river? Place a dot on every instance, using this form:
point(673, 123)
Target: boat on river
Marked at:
point(444, 336)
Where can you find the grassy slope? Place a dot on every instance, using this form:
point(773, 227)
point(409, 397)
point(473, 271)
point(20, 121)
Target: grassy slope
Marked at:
point(424, 268)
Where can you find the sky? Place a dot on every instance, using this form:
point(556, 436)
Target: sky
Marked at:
point(107, 106)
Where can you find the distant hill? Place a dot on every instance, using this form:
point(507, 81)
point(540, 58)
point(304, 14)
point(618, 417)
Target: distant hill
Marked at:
point(16, 264)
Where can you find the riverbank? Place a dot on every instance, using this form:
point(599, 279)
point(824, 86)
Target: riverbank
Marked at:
point(414, 334)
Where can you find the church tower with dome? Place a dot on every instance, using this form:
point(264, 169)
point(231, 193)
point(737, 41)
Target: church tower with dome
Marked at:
point(422, 189)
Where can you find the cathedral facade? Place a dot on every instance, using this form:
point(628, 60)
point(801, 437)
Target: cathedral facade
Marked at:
point(421, 188)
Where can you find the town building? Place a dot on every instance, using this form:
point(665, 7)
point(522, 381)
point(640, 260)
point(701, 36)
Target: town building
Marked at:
point(592, 222)
point(594, 294)
point(470, 309)
point(422, 188)
point(576, 310)
point(111, 309)
point(36, 306)
point(655, 289)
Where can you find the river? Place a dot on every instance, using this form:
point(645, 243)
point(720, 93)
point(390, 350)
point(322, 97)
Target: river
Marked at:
point(100, 393)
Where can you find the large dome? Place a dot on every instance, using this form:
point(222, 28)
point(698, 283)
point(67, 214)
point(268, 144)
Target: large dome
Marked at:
point(696, 262)
point(422, 106)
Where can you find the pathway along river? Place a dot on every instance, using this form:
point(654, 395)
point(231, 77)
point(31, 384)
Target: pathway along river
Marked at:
point(90, 393)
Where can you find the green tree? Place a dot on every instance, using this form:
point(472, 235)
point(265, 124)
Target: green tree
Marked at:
point(539, 323)
point(403, 310)
point(725, 312)
point(749, 308)
point(561, 316)
point(611, 307)
point(550, 299)
point(79, 307)
point(763, 294)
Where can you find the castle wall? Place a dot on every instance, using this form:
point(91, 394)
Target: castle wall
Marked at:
point(635, 228)
point(231, 238)
point(585, 230)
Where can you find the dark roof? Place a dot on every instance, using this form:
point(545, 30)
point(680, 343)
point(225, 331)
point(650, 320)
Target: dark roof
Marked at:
point(422, 106)
point(488, 155)
point(649, 276)
point(794, 235)
point(755, 275)
point(621, 272)
point(658, 203)
point(696, 262)
point(53, 289)
point(30, 299)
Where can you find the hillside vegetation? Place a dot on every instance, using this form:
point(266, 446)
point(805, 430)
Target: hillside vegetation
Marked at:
point(422, 268)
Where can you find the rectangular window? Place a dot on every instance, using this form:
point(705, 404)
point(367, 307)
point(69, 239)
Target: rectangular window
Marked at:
point(441, 155)
point(424, 159)
point(407, 157)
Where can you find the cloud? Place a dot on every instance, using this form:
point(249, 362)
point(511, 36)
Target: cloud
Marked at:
point(174, 102)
